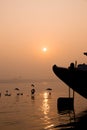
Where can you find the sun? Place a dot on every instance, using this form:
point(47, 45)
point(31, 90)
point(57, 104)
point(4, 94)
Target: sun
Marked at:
point(44, 49)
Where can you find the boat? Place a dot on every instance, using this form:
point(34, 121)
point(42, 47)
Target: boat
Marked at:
point(49, 89)
point(74, 77)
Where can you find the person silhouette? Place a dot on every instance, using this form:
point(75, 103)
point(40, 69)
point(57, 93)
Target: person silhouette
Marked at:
point(32, 91)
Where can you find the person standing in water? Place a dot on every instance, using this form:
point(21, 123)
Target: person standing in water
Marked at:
point(32, 91)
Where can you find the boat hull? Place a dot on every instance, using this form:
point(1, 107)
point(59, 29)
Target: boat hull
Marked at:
point(74, 78)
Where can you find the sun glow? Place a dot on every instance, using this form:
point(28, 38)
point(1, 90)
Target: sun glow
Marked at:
point(44, 49)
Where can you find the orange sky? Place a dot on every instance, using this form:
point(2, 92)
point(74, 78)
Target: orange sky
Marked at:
point(26, 26)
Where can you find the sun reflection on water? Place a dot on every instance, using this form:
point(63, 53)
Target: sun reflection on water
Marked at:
point(46, 109)
point(45, 106)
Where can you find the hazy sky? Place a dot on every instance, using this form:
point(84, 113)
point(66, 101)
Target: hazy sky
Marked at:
point(26, 26)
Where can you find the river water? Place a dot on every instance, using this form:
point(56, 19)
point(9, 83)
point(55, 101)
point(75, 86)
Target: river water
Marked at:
point(22, 111)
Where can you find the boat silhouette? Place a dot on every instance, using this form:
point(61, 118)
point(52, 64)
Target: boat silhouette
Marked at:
point(74, 77)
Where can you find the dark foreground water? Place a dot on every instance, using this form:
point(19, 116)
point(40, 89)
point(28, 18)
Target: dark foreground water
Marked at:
point(39, 112)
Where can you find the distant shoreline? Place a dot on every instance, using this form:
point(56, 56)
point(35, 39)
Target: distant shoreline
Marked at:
point(25, 80)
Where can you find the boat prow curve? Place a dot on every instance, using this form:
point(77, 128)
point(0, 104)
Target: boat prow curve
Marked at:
point(75, 78)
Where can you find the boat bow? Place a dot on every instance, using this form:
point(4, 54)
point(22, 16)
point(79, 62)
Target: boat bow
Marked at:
point(74, 78)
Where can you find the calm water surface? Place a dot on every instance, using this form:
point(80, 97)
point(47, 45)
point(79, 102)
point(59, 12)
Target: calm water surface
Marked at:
point(39, 112)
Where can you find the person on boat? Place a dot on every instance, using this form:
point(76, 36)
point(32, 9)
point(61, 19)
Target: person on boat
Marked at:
point(72, 66)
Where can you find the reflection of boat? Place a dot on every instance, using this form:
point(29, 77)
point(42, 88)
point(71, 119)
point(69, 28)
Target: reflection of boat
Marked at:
point(74, 77)
point(78, 122)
